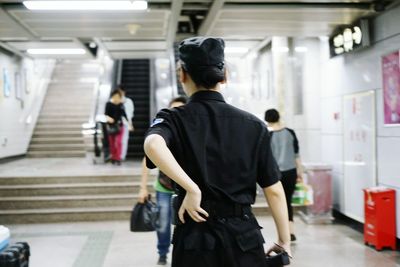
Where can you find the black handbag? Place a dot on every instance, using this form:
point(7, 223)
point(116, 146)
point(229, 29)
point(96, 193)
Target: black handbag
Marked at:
point(278, 260)
point(145, 217)
point(113, 129)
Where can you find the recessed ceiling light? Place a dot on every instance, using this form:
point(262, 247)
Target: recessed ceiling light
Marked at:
point(86, 5)
point(133, 28)
point(56, 51)
point(92, 45)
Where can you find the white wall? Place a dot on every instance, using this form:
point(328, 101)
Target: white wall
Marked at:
point(17, 119)
point(359, 72)
point(325, 82)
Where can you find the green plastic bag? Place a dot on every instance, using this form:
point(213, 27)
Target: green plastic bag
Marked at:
point(303, 195)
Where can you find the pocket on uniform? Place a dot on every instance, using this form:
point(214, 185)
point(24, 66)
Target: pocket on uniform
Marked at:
point(199, 241)
point(250, 240)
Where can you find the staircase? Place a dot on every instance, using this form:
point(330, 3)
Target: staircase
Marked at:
point(136, 80)
point(49, 199)
point(67, 105)
point(68, 198)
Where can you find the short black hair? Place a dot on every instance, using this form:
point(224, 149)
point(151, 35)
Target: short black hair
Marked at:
point(181, 99)
point(115, 92)
point(205, 76)
point(121, 87)
point(272, 115)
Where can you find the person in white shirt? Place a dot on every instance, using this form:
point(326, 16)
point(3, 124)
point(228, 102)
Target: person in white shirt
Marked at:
point(129, 110)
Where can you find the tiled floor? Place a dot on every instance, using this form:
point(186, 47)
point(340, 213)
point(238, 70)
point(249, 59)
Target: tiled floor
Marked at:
point(110, 244)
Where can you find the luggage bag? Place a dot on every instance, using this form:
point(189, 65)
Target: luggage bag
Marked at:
point(16, 256)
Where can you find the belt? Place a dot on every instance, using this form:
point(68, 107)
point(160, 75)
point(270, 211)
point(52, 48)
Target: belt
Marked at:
point(226, 209)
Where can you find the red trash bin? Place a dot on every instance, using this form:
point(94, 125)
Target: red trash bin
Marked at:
point(380, 217)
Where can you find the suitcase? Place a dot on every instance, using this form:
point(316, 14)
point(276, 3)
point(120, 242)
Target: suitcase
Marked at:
point(16, 256)
point(4, 237)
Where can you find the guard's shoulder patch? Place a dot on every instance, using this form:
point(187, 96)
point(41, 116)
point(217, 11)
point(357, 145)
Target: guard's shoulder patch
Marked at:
point(156, 121)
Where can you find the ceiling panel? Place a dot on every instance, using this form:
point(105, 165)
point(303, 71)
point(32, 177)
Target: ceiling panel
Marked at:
point(256, 23)
point(94, 24)
point(300, 1)
point(138, 45)
point(23, 46)
point(138, 54)
point(237, 20)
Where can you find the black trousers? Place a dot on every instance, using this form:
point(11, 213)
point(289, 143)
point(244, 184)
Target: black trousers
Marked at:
point(223, 242)
point(288, 180)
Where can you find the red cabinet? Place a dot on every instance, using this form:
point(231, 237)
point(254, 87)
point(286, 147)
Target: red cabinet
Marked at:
point(380, 217)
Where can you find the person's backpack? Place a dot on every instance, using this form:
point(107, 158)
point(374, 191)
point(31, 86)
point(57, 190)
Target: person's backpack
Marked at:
point(145, 217)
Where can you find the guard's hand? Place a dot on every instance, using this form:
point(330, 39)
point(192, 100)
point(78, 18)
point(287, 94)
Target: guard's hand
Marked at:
point(143, 195)
point(279, 248)
point(191, 205)
point(131, 128)
point(299, 179)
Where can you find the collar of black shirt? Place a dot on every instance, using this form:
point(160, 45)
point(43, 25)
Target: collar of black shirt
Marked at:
point(207, 95)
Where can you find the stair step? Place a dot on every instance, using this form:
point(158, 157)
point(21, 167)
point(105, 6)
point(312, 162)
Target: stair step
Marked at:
point(57, 147)
point(67, 109)
point(58, 133)
point(60, 116)
point(58, 99)
point(79, 201)
point(57, 140)
point(68, 189)
point(60, 123)
point(85, 214)
point(133, 178)
point(56, 154)
point(58, 128)
point(65, 215)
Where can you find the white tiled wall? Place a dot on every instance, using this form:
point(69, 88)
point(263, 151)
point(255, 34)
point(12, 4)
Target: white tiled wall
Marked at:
point(325, 82)
point(17, 122)
point(358, 72)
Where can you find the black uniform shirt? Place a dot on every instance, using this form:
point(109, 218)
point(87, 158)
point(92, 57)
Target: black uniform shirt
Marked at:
point(225, 150)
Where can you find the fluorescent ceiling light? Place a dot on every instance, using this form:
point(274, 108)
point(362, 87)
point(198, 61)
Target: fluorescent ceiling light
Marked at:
point(301, 49)
point(281, 49)
point(236, 50)
point(86, 5)
point(57, 51)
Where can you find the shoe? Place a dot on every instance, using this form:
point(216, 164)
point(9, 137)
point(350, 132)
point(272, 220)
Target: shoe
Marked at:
point(162, 260)
point(292, 238)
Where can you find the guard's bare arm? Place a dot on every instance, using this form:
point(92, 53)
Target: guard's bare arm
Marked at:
point(158, 152)
point(276, 199)
point(299, 169)
point(143, 193)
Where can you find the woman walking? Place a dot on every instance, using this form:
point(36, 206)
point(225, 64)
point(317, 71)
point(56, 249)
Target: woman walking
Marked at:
point(285, 148)
point(115, 113)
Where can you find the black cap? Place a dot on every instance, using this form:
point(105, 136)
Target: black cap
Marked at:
point(202, 51)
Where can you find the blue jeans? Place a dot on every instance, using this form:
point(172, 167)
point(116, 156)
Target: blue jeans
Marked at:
point(164, 229)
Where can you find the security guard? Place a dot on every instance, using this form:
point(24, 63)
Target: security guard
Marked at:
point(216, 154)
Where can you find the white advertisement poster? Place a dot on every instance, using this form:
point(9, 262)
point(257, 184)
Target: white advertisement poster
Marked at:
point(359, 151)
